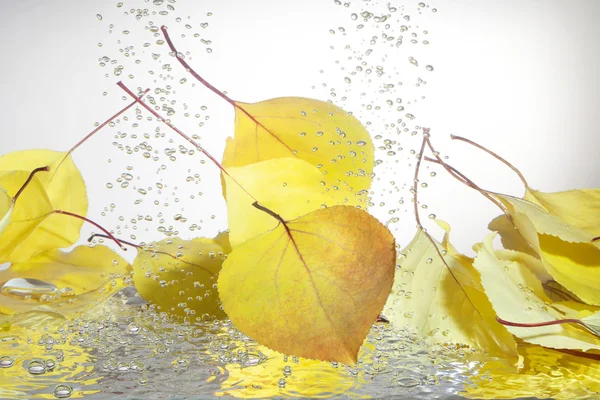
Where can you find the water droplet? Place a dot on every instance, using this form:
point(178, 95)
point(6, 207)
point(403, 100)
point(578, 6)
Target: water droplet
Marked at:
point(34, 288)
point(429, 67)
point(62, 391)
point(361, 143)
point(36, 368)
point(6, 362)
point(429, 261)
point(99, 16)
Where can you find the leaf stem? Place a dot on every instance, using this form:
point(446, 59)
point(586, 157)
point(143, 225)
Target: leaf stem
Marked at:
point(228, 99)
point(271, 213)
point(596, 239)
point(28, 181)
point(416, 177)
point(183, 135)
point(142, 247)
point(540, 324)
point(97, 225)
point(95, 235)
point(509, 165)
point(92, 133)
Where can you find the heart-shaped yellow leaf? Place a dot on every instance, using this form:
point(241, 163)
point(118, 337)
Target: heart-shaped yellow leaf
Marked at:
point(311, 287)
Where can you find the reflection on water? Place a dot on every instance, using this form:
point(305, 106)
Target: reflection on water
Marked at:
point(124, 349)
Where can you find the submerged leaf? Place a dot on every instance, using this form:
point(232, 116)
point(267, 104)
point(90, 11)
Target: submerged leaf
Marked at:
point(518, 297)
point(66, 283)
point(311, 287)
point(179, 276)
point(6, 209)
point(429, 299)
point(315, 131)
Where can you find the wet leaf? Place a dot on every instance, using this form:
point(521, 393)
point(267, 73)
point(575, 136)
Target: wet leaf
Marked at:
point(429, 299)
point(289, 187)
point(566, 251)
point(313, 286)
point(179, 276)
point(33, 228)
point(65, 283)
point(315, 131)
point(518, 296)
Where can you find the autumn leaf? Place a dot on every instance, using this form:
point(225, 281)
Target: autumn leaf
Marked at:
point(518, 296)
point(289, 187)
point(444, 302)
point(313, 286)
point(34, 227)
point(179, 276)
point(64, 283)
point(318, 132)
point(567, 252)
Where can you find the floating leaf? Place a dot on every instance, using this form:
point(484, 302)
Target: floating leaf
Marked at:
point(429, 299)
point(66, 283)
point(289, 187)
point(313, 286)
point(33, 227)
point(518, 296)
point(179, 276)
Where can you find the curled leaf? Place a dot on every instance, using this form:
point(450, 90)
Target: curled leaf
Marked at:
point(179, 276)
point(313, 286)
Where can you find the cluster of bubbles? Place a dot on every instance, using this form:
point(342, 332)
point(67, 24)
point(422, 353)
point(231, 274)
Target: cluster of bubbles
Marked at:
point(125, 346)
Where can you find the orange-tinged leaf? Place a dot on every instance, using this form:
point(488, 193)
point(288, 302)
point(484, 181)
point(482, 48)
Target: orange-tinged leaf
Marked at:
point(178, 276)
point(33, 229)
point(318, 132)
point(66, 283)
point(313, 286)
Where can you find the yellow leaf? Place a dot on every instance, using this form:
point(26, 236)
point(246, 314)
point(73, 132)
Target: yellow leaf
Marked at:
point(178, 276)
point(289, 187)
point(579, 208)
point(566, 251)
point(318, 132)
point(66, 283)
point(429, 299)
point(545, 373)
point(311, 287)
point(33, 228)
point(518, 296)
